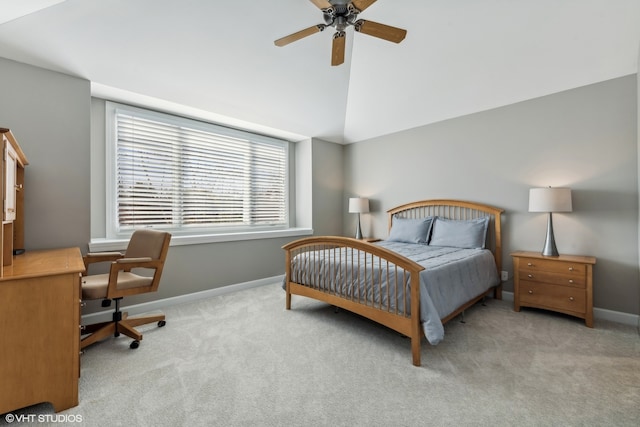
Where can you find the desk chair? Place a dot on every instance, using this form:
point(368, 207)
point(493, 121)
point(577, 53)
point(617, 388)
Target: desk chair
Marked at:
point(146, 253)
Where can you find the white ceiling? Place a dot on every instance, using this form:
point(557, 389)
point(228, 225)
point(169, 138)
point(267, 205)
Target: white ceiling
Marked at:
point(215, 56)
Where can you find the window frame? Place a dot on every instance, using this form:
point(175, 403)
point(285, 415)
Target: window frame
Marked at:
point(189, 234)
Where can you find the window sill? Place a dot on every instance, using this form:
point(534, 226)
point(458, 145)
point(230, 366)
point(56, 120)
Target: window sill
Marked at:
point(102, 245)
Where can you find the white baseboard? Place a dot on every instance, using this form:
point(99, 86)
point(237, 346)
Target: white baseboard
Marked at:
point(104, 316)
point(599, 313)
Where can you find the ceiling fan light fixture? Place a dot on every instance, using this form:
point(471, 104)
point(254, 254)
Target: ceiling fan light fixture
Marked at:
point(329, 19)
point(340, 14)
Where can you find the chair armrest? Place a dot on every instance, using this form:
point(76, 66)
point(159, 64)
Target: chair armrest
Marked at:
point(102, 256)
point(95, 257)
point(133, 260)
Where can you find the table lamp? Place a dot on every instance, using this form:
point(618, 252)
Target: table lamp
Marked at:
point(358, 205)
point(550, 200)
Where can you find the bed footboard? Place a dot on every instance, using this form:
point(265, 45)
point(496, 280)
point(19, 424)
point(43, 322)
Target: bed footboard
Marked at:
point(360, 277)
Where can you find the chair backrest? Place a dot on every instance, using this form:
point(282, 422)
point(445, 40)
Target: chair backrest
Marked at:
point(148, 243)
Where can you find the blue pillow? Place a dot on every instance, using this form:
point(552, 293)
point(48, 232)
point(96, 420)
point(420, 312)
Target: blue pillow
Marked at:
point(410, 230)
point(470, 233)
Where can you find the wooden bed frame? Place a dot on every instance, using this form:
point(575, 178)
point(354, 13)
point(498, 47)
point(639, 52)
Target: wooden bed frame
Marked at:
point(404, 269)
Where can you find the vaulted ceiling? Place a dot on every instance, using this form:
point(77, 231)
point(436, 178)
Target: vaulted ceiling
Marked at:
point(459, 56)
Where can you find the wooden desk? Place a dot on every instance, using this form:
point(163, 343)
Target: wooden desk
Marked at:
point(40, 329)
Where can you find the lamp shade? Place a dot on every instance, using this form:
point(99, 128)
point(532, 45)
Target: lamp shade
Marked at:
point(550, 200)
point(358, 205)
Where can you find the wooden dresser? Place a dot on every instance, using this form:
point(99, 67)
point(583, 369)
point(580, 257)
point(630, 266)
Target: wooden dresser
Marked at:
point(563, 283)
point(40, 329)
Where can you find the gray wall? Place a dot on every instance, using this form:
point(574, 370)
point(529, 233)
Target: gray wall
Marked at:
point(54, 118)
point(585, 139)
point(195, 268)
point(49, 114)
point(189, 268)
point(328, 181)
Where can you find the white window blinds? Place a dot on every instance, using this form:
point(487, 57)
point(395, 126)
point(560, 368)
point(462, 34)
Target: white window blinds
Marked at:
point(181, 174)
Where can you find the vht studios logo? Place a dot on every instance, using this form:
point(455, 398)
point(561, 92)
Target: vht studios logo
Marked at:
point(43, 418)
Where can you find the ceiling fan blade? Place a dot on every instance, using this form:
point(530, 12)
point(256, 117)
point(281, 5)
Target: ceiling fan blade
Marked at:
point(299, 35)
point(322, 4)
point(337, 51)
point(381, 31)
point(362, 4)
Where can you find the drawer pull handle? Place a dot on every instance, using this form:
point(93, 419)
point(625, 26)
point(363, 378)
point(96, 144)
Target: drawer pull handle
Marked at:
point(570, 268)
point(529, 264)
point(530, 276)
point(570, 298)
point(530, 292)
point(571, 281)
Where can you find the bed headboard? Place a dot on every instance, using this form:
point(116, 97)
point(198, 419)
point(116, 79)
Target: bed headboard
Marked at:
point(457, 209)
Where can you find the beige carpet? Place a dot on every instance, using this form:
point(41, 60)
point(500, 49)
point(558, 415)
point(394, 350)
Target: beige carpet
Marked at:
point(242, 360)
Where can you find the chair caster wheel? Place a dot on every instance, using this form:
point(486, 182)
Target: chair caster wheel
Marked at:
point(161, 323)
point(134, 344)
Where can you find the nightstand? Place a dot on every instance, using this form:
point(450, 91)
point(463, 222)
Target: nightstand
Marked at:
point(563, 283)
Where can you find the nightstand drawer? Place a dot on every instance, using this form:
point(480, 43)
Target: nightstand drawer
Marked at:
point(544, 295)
point(576, 280)
point(553, 266)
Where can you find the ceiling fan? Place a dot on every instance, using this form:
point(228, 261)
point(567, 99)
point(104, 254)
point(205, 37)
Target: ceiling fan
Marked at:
point(340, 14)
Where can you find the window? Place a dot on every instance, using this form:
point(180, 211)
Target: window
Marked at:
point(192, 177)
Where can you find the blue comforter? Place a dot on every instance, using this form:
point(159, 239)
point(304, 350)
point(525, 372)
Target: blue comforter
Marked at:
point(451, 277)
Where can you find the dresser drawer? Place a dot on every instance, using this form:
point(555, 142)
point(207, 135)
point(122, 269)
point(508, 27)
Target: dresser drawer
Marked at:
point(575, 280)
point(553, 266)
point(556, 297)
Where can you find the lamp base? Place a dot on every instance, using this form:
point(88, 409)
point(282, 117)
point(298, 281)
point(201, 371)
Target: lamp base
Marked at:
point(358, 230)
point(550, 241)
